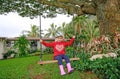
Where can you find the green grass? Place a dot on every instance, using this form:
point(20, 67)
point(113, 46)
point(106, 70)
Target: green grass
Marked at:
point(27, 68)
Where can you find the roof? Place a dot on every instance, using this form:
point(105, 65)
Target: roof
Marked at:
point(31, 38)
point(2, 38)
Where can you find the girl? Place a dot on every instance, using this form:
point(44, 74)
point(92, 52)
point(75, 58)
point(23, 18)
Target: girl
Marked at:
point(59, 52)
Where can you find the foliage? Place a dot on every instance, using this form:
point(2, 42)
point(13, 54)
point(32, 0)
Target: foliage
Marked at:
point(8, 54)
point(22, 46)
point(35, 32)
point(85, 28)
point(83, 63)
point(63, 30)
point(47, 8)
point(69, 31)
point(90, 29)
point(70, 52)
point(29, 8)
point(78, 22)
point(106, 68)
point(53, 31)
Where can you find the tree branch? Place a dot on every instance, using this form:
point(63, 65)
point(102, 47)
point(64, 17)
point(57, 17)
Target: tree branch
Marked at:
point(80, 3)
point(72, 7)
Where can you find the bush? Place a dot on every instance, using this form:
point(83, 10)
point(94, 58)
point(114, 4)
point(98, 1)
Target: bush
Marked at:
point(22, 45)
point(8, 54)
point(70, 52)
point(83, 63)
point(79, 64)
point(105, 68)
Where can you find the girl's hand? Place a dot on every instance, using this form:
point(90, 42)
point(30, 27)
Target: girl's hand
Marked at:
point(41, 40)
point(73, 36)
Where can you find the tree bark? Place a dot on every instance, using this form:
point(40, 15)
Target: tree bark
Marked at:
point(108, 14)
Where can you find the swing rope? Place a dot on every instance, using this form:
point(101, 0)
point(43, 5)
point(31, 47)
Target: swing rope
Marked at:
point(40, 38)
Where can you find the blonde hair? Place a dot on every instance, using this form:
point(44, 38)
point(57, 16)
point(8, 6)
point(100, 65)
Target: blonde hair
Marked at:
point(57, 37)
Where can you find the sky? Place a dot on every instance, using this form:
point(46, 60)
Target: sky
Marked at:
point(12, 25)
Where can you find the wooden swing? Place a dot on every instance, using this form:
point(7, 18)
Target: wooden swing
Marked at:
point(51, 61)
point(55, 61)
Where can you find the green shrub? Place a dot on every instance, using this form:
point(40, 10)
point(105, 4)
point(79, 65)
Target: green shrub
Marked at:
point(79, 64)
point(105, 68)
point(83, 63)
point(70, 52)
point(22, 45)
point(8, 54)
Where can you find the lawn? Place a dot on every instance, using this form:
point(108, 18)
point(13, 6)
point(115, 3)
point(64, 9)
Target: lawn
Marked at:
point(27, 68)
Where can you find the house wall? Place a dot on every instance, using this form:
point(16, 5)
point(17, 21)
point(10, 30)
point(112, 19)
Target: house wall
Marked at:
point(39, 44)
point(2, 48)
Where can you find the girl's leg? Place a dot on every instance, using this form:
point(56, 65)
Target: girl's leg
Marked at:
point(67, 60)
point(59, 58)
point(70, 69)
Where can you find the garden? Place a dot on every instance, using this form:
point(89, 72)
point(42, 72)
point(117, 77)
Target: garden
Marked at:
point(95, 25)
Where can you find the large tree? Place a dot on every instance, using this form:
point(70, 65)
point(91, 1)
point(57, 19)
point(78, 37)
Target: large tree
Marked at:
point(107, 11)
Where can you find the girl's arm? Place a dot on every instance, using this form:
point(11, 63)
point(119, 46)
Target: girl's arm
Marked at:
point(46, 43)
point(70, 42)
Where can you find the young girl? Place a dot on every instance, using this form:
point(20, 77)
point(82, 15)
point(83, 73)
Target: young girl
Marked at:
point(59, 52)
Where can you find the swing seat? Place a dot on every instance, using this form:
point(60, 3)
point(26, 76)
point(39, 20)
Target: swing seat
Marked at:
point(55, 61)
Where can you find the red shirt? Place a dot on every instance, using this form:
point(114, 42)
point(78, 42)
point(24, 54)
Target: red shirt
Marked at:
point(58, 47)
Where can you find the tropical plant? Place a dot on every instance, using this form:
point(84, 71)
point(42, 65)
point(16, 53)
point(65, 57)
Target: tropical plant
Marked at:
point(22, 45)
point(78, 22)
point(62, 29)
point(53, 31)
point(90, 29)
point(34, 32)
point(68, 30)
point(85, 28)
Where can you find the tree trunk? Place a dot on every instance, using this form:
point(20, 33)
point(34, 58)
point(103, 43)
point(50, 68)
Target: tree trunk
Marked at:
point(108, 14)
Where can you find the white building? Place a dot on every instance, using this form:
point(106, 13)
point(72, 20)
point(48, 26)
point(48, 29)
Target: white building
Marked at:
point(2, 46)
point(8, 43)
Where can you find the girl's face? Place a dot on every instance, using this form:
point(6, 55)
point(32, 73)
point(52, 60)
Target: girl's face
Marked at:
point(59, 39)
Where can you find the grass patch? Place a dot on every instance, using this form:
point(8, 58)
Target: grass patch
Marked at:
point(27, 68)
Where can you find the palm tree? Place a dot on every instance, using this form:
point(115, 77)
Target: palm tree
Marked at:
point(78, 22)
point(90, 29)
point(63, 29)
point(34, 32)
point(53, 31)
point(67, 30)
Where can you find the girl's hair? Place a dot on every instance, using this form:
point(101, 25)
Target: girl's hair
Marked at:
point(59, 36)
